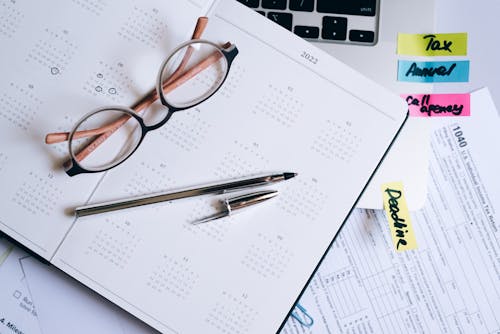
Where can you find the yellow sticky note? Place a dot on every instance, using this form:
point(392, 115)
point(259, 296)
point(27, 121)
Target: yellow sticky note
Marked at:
point(454, 44)
point(397, 213)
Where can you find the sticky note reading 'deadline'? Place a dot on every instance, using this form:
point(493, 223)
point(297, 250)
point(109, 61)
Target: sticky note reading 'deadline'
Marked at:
point(398, 216)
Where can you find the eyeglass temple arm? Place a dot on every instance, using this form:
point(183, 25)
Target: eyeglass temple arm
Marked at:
point(201, 24)
point(58, 137)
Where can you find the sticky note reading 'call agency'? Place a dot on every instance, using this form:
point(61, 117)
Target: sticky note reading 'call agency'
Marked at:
point(398, 216)
point(440, 105)
point(433, 71)
point(432, 44)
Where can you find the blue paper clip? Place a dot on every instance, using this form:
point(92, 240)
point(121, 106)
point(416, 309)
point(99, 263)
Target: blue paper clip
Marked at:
point(305, 320)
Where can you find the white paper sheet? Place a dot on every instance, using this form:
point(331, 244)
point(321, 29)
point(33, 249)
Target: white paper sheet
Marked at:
point(451, 283)
point(213, 278)
point(17, 309)
point(52, 75)
point(65, 305)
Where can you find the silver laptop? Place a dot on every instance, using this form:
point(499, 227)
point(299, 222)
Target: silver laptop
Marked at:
point(363, 34)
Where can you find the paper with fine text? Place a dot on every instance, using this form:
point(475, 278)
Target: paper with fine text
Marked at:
point(450, 283)
point(53, 75)
point(53, 291)
point(275, 113)
point(35, 298)
point(18, 313)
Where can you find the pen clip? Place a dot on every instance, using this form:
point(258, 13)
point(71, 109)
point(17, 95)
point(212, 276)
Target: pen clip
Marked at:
point(212, 217)
point(246, 200)
point(239, 202)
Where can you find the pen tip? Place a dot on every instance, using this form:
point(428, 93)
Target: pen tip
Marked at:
point(289, 175)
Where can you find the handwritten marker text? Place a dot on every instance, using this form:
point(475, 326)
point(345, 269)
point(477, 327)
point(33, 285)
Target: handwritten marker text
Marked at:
point(442, 105)
point(454, 44)
point(439, 71)
point(397, 213)
point(436, 44)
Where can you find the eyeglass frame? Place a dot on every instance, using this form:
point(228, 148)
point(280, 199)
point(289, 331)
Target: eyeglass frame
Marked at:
point(73, 167)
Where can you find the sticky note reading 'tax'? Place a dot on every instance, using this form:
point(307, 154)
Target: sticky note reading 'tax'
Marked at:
point(432, 44)
point(442, 105)
point(433, 71)
point(397, 213)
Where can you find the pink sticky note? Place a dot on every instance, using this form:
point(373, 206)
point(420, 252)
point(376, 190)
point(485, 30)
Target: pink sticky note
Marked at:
point(440, 105)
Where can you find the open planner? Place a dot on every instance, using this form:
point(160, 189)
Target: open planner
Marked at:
point(286, 106)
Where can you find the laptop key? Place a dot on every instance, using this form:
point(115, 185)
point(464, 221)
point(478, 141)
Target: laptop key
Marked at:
point(274, 4)
point(324, 20)
point(283, 19)
point(302, 5)
point(306, 31)
point(348, 7)
point(250, 3)
point(361, 36)
point(334, 28)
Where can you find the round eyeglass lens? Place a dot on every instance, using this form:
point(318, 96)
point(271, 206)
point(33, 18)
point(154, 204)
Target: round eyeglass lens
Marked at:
point(192, 73)
point(122, 133)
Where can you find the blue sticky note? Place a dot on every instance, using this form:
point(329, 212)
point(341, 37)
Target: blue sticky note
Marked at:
point(433, 71)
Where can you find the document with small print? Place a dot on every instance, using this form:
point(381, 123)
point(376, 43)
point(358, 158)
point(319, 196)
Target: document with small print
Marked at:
point(450, 284)
point(241, 274)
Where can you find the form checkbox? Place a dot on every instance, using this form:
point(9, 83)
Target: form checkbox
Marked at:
point(17, 294)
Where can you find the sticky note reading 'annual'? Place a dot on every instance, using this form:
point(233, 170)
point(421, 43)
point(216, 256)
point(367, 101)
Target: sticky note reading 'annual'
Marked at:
point(433, 71)
point(397, 213)
point(442, 105)
point(432, 44)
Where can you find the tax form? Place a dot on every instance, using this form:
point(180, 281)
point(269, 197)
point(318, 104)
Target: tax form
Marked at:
point(18, 313)
point(26, 282)
point(451, 282)
point(89, 313)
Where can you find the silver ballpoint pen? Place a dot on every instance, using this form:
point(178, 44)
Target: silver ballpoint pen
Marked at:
point(237, 203)
point(219, 188)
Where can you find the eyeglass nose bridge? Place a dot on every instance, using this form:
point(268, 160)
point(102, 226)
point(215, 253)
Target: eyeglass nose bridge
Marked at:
point(170, 112)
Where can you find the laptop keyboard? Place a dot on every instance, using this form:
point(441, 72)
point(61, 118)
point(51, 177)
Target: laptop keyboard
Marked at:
point(337, 21)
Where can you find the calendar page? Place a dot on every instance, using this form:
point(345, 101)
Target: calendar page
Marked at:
point(60, 60)
point(285, 107)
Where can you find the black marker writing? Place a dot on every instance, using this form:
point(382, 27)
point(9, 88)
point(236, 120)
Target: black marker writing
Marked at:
point(436, 45)
point(398, 223)
point(416, 71)
point(427, 108)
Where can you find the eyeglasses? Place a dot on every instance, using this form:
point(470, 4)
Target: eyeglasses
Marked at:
point(106, 137)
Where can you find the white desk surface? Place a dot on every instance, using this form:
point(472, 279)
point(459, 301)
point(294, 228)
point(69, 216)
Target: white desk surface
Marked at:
point(480, 20)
